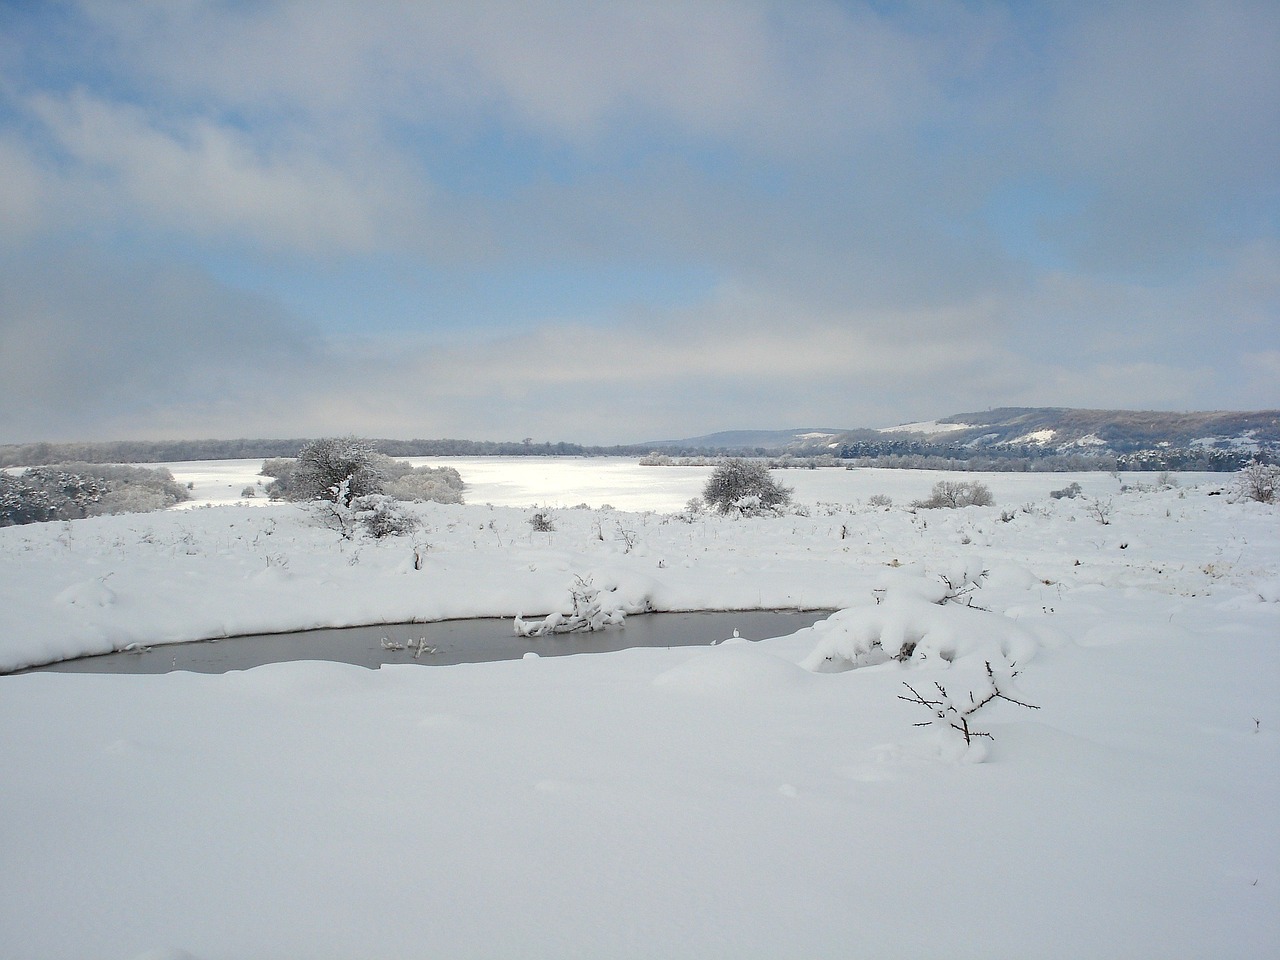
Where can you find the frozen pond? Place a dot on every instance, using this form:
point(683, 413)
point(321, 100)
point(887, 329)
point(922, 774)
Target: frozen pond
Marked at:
point(443, 643)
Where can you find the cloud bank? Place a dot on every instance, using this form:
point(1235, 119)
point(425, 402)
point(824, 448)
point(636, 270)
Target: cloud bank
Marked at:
point(610, 223)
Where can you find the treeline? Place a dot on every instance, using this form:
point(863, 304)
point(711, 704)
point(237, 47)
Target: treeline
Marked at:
point(922, 455)
point(170, 451)
point(145, 451)
point(880, 452)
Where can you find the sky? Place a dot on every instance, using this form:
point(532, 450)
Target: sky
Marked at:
point(619, 222)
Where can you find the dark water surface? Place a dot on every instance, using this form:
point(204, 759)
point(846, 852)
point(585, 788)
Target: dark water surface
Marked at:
point(447, 642)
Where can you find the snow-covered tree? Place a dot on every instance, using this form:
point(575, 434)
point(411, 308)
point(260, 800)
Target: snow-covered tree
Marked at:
point(744, 487)
point(327, 469)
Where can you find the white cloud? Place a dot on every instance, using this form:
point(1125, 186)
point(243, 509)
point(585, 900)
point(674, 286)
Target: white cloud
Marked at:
point(828, 168)
point(89, 341)
point(22, 193)
point(760, 71)
point(198, 176)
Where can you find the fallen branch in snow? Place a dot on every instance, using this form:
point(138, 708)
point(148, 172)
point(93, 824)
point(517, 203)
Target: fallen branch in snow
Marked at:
point(946, 712)
point(588, 614)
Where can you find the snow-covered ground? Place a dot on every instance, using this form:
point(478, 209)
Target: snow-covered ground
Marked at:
point(736, 801)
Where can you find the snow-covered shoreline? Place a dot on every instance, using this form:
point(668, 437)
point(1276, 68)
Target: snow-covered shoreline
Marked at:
point(695, 802)
point(100, 584)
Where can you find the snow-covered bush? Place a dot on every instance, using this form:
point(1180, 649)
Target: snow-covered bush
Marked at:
point(694, 508)
point(433, 484)
point(69, 491)
point(46, 493)
point(374, 514)
point(382, 516)
point(1069, 492)
point(542, 521)
point(879, 500)
point(744, 487)
point(956, 493)
point(1258, 481)
point(919, 620)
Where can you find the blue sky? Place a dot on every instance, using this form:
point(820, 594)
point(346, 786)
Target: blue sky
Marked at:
point(628, 221)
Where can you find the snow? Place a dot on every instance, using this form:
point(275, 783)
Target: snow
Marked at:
point(733, 800)
point(926, 426)
point(1247, 441)
point(1088, 440)
point(1035, 436)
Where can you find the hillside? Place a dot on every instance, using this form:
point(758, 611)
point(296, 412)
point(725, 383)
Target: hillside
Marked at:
point(1016, 437)
point(1120, 431)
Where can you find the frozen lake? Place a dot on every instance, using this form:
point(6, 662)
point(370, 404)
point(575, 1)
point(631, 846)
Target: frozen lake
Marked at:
point(623, 483)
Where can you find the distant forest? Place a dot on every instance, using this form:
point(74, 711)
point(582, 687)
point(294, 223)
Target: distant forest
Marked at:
point(170, 451)
point(877, 450)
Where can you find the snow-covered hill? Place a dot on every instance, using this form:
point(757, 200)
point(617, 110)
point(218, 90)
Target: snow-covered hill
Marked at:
point(1116, 431)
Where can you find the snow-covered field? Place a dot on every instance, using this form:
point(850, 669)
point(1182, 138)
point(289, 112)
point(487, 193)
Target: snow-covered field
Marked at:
point(735, 801)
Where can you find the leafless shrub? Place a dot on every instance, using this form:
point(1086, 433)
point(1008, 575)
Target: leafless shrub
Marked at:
point(1258, 482)
point(955, 714)
point(1101, 510)
point(950, 494)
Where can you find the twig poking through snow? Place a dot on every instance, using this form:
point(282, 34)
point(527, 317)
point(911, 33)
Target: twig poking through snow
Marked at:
point(946, 712)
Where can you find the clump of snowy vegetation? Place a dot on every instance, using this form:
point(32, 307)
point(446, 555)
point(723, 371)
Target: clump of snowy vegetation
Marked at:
point(951, 494)
point(71, 491)
point(376, 515)
point(542, 521)
point(919, 619)
point(323, 465)
point(590, 609)
point(1258, 482)
point(745, 488)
